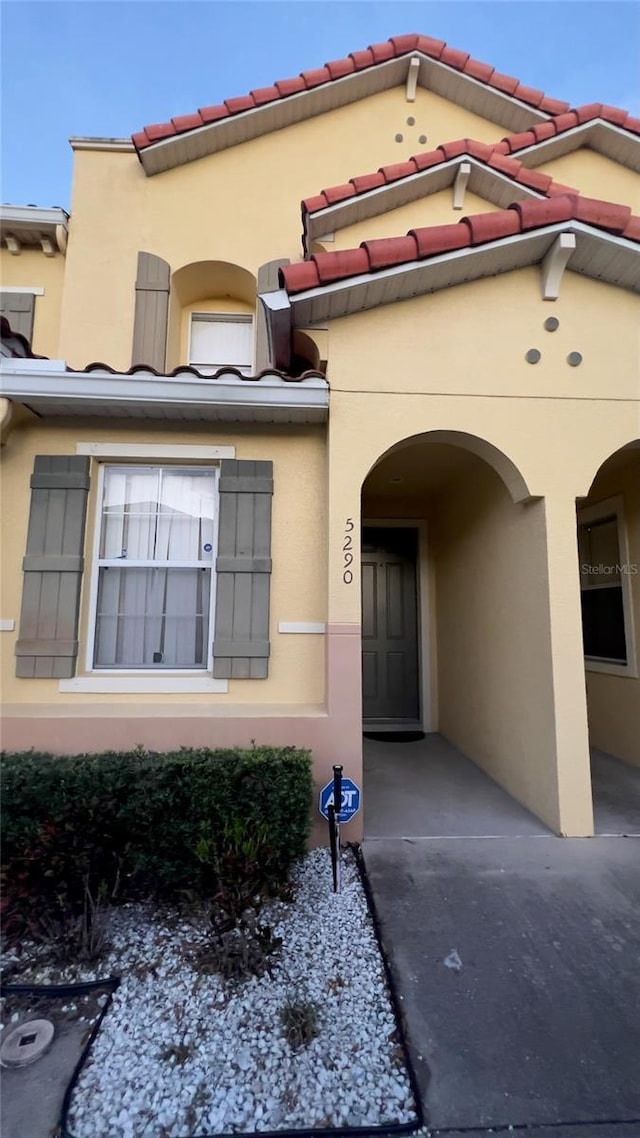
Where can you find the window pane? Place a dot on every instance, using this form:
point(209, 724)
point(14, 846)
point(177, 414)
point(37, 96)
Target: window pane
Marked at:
point(599, 552)
point(129, 512)
point(603, 624)
point(185, 519)
point(158, 514)
point(216, 341)
point(152, 618)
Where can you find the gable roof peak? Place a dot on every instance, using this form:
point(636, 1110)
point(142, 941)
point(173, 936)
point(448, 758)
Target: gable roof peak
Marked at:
point(442, 68)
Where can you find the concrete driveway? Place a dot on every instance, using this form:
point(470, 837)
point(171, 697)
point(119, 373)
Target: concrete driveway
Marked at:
point(516, 953)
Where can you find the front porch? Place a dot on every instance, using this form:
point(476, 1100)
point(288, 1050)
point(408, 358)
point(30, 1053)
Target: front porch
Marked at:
point(429, 789)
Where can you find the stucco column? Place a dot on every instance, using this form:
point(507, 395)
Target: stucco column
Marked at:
point(567, 662)
point(343, 646)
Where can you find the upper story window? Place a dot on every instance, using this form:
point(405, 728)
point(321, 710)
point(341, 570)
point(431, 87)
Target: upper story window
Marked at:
point(155, 557)
point(221, 340)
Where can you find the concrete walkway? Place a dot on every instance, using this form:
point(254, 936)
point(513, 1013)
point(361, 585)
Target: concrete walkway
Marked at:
point(616, 795)
point(517, 956)
point(429, 789)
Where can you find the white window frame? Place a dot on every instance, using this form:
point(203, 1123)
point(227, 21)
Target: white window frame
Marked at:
point(599, 512)
point(222, 318)
point(144, 680)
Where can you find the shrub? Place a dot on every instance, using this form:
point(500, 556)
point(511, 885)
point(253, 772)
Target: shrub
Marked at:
point(299, 1019)
point(198, 823)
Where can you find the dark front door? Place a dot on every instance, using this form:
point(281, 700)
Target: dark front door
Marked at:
point(389, 624)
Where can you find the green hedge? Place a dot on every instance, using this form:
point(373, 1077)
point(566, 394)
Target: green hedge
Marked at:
point(140, 820)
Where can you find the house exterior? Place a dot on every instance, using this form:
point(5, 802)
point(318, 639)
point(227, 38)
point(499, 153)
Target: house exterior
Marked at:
point(269, 477)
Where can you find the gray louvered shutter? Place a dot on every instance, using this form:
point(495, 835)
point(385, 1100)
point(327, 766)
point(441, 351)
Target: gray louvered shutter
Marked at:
point(152, 312)
point(18, 309)
point(53, 564)
point(267, 282)
point(243, 571)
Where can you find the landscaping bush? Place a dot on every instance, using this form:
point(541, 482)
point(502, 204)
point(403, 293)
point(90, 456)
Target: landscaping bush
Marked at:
point(194, 824)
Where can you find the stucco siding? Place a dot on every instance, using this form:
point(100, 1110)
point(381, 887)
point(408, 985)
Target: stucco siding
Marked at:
point(298, 584)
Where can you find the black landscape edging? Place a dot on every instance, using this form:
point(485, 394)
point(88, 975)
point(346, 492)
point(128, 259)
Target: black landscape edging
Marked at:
point(62, 992)
point(390, 1129)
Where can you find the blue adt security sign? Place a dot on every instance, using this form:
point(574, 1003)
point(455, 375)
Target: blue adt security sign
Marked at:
point(350, 800)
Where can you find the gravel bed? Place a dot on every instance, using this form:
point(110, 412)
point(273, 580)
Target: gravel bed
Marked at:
point(183, 1053)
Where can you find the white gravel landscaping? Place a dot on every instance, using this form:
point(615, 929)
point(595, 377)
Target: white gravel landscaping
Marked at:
point(182, 1053)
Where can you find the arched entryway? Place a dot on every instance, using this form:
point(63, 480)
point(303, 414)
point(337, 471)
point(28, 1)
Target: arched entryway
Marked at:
point(608, 526)
point(456, 638)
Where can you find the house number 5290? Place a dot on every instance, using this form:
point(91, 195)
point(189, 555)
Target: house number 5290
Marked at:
point(347, 551)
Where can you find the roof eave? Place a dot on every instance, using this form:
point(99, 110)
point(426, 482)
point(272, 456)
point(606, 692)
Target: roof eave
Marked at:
point(33, 226)
point(48, 389)
point(613, 142)
point(369, 290)
point(369, 204)
point(197, 142)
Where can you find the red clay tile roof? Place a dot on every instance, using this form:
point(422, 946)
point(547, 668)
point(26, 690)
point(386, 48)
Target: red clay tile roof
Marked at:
point(477, 229)
point(358, 61)
point(188, 369)
point(497, 155)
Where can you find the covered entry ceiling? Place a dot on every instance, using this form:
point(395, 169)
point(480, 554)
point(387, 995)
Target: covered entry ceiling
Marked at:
point(418, 469)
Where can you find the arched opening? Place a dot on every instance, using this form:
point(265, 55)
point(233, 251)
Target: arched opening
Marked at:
point(212, 317)
point(455, 644)
point(305, 354)
point(608, 527)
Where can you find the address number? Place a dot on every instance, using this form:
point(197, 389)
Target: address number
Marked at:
point(347, 548)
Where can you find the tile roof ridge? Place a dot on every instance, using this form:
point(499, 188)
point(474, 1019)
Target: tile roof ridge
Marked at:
point(470, 231)
point(372, 56)
point(482, 151)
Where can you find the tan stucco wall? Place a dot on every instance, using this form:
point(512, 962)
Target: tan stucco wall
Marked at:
point(33, 269)
point(454, 362)
point(472, 340)
point(613, 701)
point(241, 205)
point(494, 680)
point(298, 585)
point(595, 176)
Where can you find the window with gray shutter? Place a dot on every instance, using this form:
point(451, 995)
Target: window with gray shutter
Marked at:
point(151, 312)
point(53, 564)
point(243, 571)
point(18, 309)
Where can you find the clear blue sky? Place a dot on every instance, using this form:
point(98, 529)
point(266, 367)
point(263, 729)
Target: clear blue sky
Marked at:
point(107, 68)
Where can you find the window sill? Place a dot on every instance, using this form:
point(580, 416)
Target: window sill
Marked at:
point(144, 685)
point(608, 668)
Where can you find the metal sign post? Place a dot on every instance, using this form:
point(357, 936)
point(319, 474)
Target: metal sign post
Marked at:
point(336, 809)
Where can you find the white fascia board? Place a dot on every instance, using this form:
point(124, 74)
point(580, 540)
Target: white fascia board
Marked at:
point(390, 73)
point(345, 83)
point(25, 379)
point(330, 215)
point(468, 252)
point(33, 215)
point(579, 133)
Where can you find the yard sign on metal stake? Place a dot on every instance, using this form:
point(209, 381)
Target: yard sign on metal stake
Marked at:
point(339, 802)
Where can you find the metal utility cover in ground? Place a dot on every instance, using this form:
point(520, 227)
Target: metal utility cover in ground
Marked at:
point(26, 1043)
